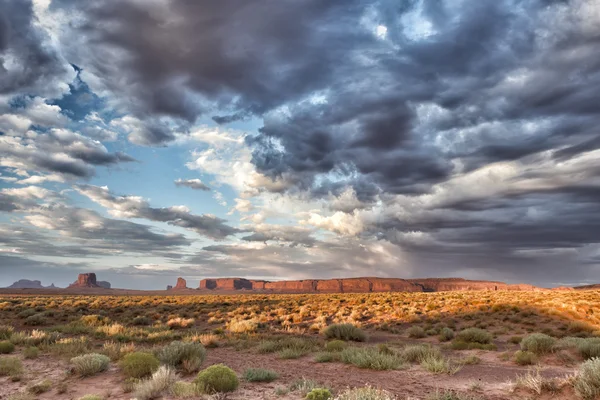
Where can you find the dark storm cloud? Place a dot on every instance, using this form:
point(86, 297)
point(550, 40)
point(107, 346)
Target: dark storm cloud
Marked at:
point(136, 207)
point(27, 63)
point(492, 62)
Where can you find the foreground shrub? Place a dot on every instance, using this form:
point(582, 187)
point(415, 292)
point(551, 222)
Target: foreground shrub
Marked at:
point(6, 347)
point(365, 393)
point(6, 332)
point(40, 387)
point(157, 384)
point(260, 375)
point(416, 332)
point(371, 358)
point(21, 396)
point(525, 357)
point(188, 356)
point(10, 366)
point(91, 397)
point(185, 390)
point(538, 343)
point(217, 379)
point(417, 353)
point(587, 381)
point(327, 356)
point(474, 335)
point(437, 364)
point(446, 334)
point(31, 353)
point(242, 325)
point(345, 332)
point(318, 394)
point(35, 320)
point(335, 345)
point(90, 364)
point(287, 347)
point(177, 323)
point(139, 365)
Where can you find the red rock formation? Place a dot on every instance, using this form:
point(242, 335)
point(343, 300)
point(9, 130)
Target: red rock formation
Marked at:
point(104, 284)
point(181, 284)
point(85, 281)
point(359, 285)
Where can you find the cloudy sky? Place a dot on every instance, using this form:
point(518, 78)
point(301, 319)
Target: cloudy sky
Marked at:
point(150, 139)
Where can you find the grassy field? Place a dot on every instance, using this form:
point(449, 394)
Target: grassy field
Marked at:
point(447, 345)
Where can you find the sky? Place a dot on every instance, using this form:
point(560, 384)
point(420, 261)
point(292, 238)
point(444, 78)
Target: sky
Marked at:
point(149, 139)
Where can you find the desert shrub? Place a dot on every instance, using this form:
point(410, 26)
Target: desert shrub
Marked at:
point(589, 348)
point(242, 325)
point(141, 321)
point(31, 352)
point(525, 357)
point(26, 313)
point(40, 387)
point(304, 386)
point(587, 381)
point(10, 366)
point(460, 345)
point(91, 397)
point(94, 320)
point(365, 393)
point(6, 331)
point(417, 353)
point(318, 394)
point(327, 356)
point(116, 350)
point(158, 383)
point(291, 346)
point(217, 379)
point(535, 382)
point(139, 365)
point(446, 334)
point(515, 339)
point(90, 364)
point(69, 347)
point(579, 328)
point(335, 345)
point(416, 332)
point(345, 332)
point(260, 375)
point(470, 360)
point(35, 320)
point(538, 343)
point(474, 335)
point(176, 323)
point(6, 347)
point(371, 358)
point(292, 353)
point(437, 364)
point(208, 340)
point(185, 390)
point(189, 356)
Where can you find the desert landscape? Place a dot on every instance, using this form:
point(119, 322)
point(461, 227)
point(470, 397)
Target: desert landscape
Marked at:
point(472, 340)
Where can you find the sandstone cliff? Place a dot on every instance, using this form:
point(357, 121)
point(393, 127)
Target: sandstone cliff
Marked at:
point(358, 285)
point(89, 280)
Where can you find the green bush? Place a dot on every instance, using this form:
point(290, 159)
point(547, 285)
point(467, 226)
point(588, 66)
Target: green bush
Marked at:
point(298, 345)
point(538, 343)
point(6, 347)
point(260, 375)
point(141, 321)
point(318, 394)
point(417, 353)
point(525, 357)
point(335, 345)
point(437, 364)
point(91, 397)
point(151, 388)
point(446, 334)
point(90, 364)
point(10, 366)
point(31, 352)
point(416, 332)
point(185, 390)
point(371, 358)
point(40, 387)
point(35, 320)
point(6, 332)
point(474, 335)
point(139, 365)
point(217, 379)
point(515, 339)
point(345, 332)
point(188, 355)
point(587, 381)
point(327, 356)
